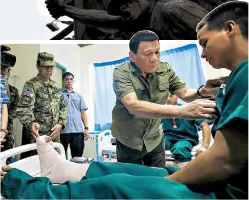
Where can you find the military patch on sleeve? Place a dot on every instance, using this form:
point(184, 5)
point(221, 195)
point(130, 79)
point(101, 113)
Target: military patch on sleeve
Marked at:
point(28, 93)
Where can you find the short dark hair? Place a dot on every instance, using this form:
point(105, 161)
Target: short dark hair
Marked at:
point(144, 35)
point(233, 10)
point(67, 74)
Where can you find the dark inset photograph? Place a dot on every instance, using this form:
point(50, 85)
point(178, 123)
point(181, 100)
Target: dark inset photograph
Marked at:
point(102, 19)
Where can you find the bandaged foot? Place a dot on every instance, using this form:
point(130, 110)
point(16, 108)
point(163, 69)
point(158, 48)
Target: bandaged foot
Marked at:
point(54, 166)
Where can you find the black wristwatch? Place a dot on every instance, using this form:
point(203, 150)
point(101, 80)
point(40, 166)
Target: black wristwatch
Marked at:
point(86, 128)
point(199, 94)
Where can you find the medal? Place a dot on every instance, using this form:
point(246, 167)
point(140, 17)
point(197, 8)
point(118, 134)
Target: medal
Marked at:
point(174, 123)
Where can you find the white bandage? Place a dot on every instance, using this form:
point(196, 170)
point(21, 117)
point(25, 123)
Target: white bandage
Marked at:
point(55, 167)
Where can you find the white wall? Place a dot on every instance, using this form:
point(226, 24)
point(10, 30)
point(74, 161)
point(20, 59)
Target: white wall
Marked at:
point(26, 20)
point(25, 67)
point(67, 55)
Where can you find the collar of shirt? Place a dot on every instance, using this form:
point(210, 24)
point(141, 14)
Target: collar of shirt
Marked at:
point(50, 82)
point(64, 90)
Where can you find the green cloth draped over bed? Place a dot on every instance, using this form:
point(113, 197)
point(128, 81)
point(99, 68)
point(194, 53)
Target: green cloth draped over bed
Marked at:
point(102, 181)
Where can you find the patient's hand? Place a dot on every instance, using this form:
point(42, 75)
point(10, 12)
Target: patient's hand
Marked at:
point(47, 139)
point(4, 170)
point(43, 139)
point(200, 150)
point(212, 86)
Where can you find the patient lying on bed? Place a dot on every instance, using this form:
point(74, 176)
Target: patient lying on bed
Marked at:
point(92, 181)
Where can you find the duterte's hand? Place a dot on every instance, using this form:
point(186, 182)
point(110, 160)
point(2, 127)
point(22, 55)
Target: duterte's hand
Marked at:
point(55, 8)
point(35, 129)
point(212, 86)
point(200, 108)
point(56, 131)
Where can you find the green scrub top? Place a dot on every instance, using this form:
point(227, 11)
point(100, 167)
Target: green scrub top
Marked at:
point(184, 129)
point(232, 103)
point(232, 98)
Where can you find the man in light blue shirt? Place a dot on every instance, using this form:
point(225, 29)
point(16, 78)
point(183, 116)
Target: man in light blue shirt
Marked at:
point(4, 100)
point(74, 133)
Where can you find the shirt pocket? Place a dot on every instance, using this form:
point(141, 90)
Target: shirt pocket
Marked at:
point(163, 91)
point(76, 102)
point(163, 86)
point(65, 101)
point(42, 101)
point(140, 90)
point(42, 94)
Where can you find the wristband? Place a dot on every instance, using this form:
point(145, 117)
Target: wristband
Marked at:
point(199, 94)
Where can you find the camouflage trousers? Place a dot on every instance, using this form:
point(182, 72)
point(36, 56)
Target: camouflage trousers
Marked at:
point(27, 138)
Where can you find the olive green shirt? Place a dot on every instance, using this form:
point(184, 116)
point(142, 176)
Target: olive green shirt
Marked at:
point(42, 103)
point(131, 130)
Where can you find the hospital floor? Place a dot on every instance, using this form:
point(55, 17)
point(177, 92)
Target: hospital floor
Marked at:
point(113, 159)
point(168, 163)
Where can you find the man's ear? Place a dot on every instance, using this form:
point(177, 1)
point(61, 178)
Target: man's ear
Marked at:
point(132, 56)
point(230, 27)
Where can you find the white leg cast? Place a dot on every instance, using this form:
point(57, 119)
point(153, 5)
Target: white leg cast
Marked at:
point(55, 167)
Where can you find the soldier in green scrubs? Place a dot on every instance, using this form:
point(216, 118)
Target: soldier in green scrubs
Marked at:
point(220, 172)
point(181, 135)
point(223, 36)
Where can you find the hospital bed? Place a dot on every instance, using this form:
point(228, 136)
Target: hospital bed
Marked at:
point(95, 144)
point(105, 144)
point(30, 165)
point(106, 147)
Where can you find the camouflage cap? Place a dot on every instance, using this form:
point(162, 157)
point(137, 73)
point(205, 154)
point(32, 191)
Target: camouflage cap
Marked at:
point(46, 59)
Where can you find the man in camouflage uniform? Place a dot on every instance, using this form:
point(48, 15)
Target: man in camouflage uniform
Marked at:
point(141, 87)
point(14, 99)
point(41, 105)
